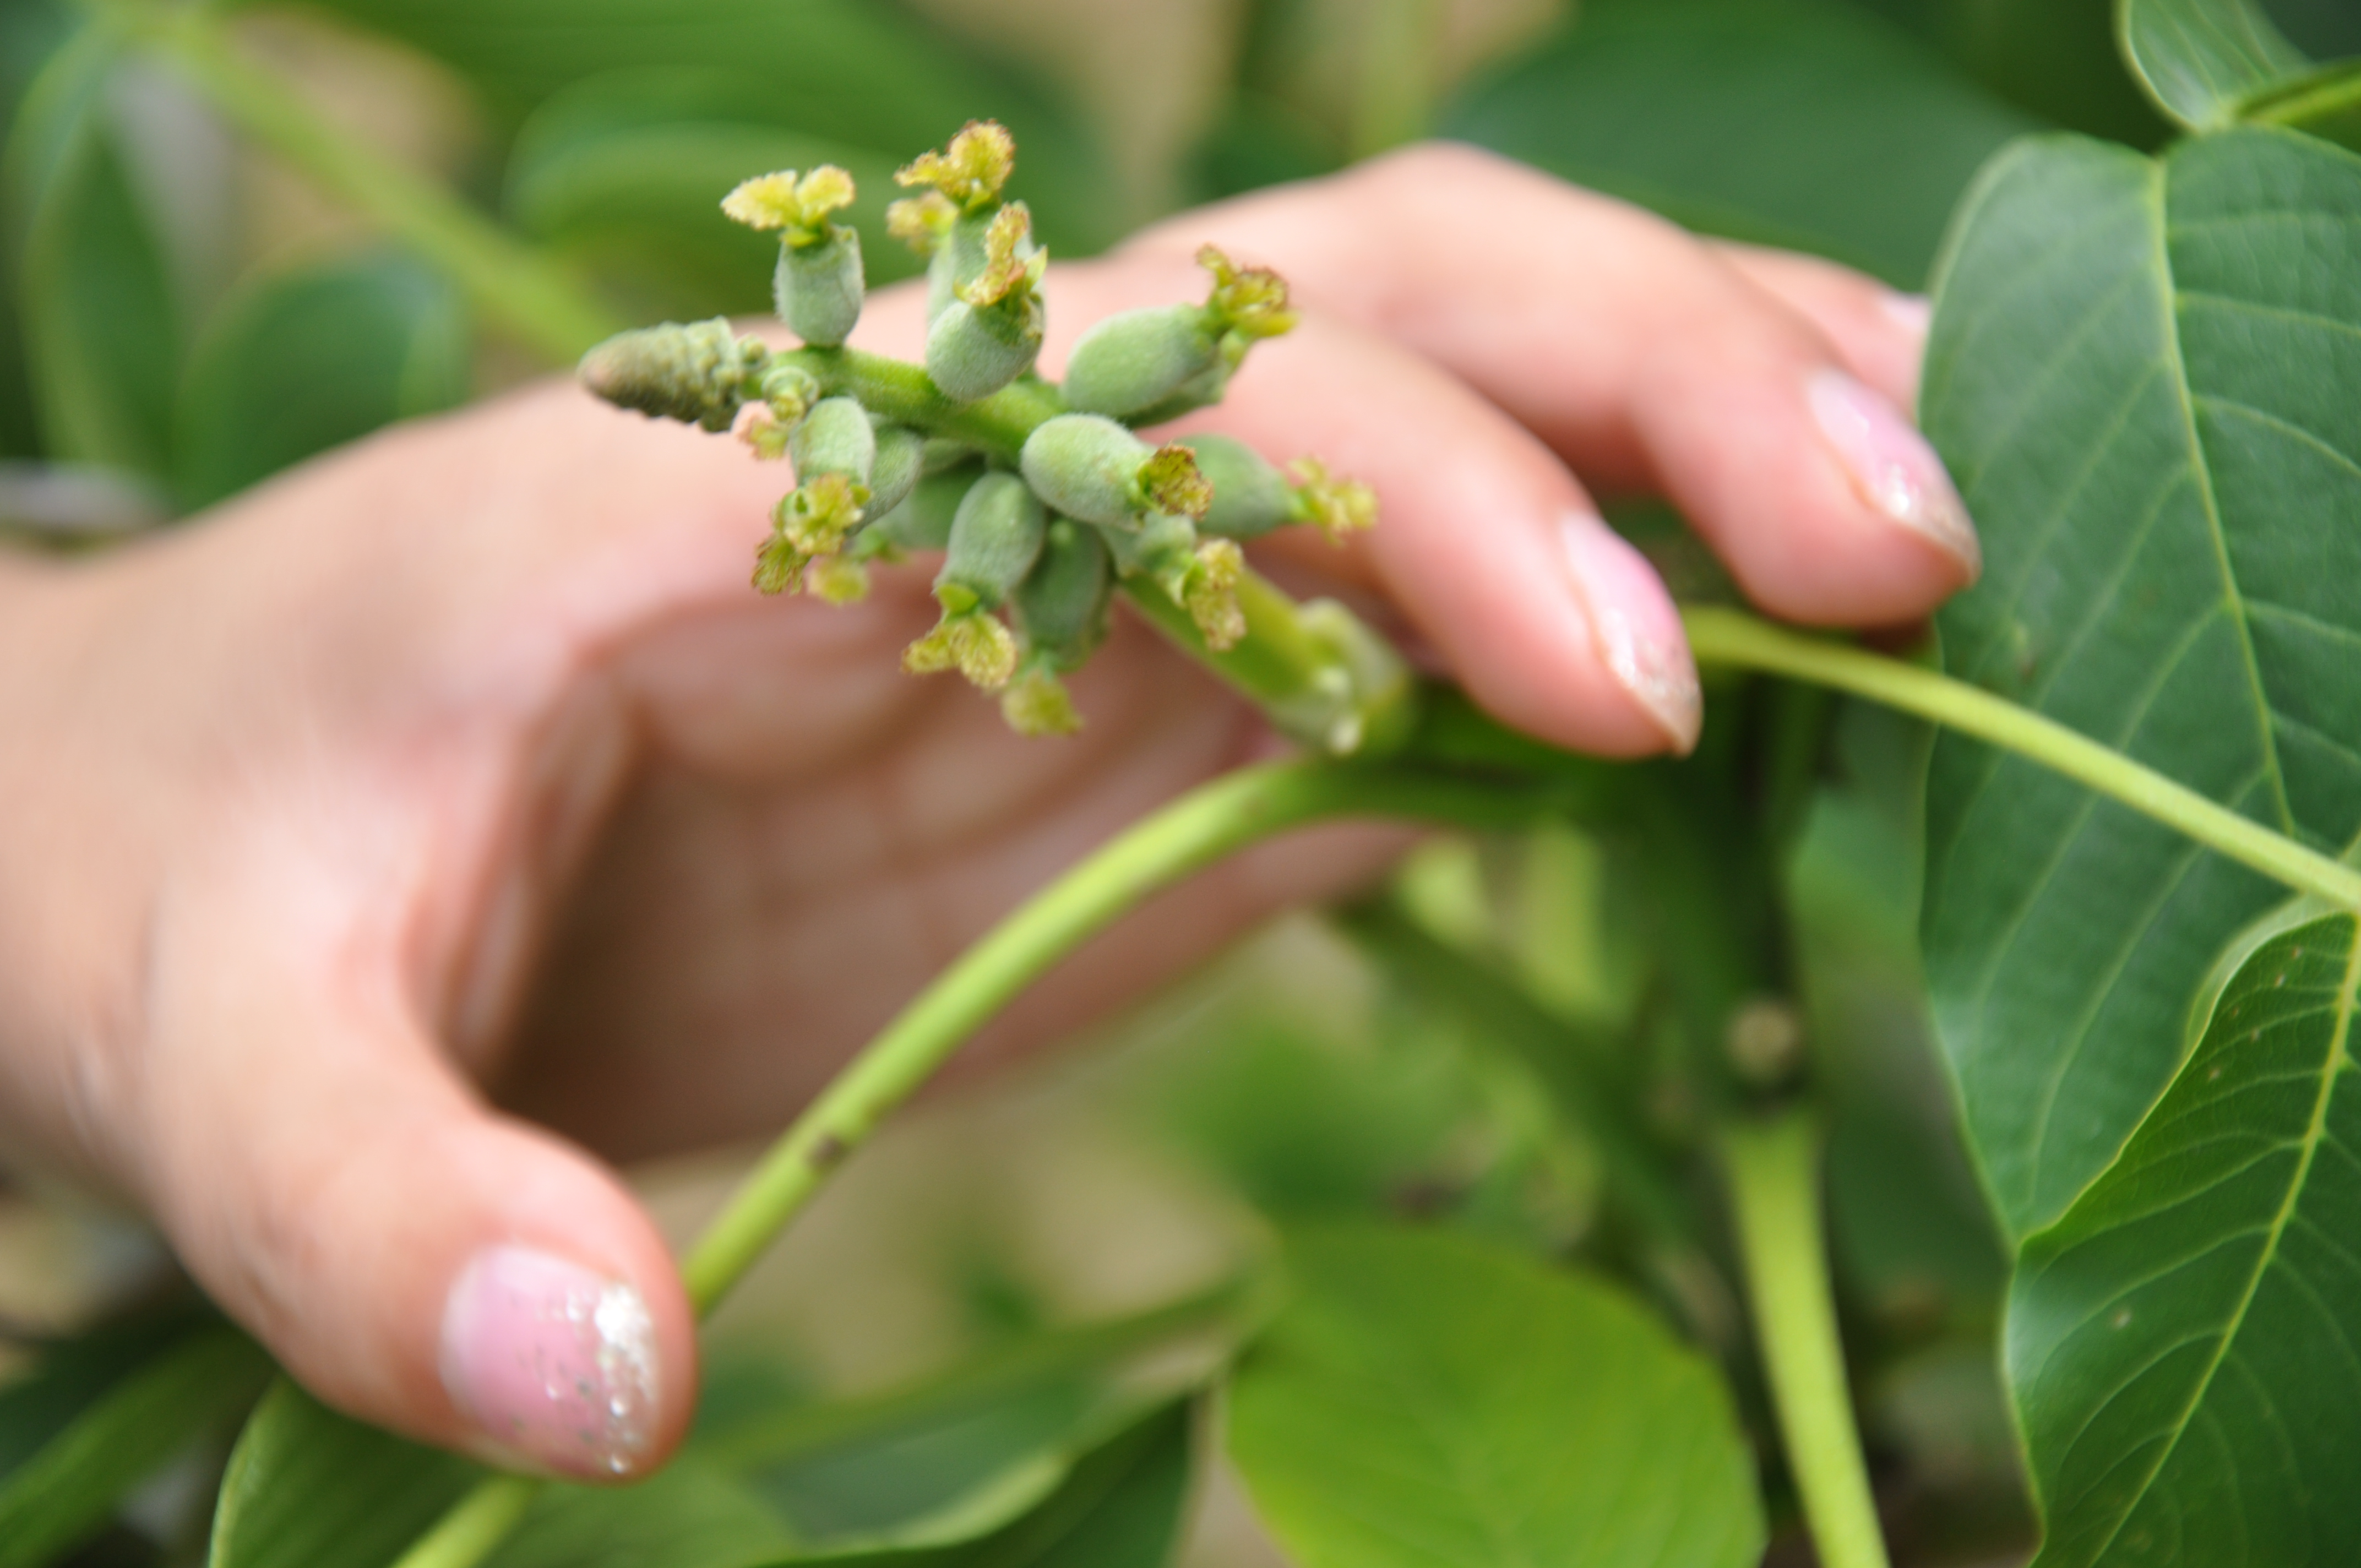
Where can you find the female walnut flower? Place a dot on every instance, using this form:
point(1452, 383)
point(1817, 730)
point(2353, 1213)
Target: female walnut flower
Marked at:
point(1043, 500)
point(970, 172)
point(818, 286)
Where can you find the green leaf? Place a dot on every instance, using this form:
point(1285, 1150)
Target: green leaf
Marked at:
point(101, 323)
point(1120, 1506)
point(1801, 123)
point(2142, 374)
point(2183, 1341)
point(147, 1415)
point(309, 359)
point(687, 1516)
point(309, 1488)
point(2200, 58)
point(1426, 1401)
point(627, 171)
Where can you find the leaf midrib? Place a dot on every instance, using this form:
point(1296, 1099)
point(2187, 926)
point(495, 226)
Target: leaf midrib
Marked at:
point(2330, 1069)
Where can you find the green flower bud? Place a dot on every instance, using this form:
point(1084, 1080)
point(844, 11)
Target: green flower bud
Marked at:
point(899, 465)
point(838, 579)
point(1250, 303)
point(922, 221)
point(783, 393)
point(816, 516)
point(995, 538)
point(973, 352)
point(1064, 603)
point(1336, 507)
point(1132, 362)
point(971, 642)
point(779, 566)
point(922, 522)
point(943, 453)
point(818, 288)
point(1250, 496)
point(697, 374)
point(989, 332)
point(1162, 549)
point(836, 437)
point(1210, 593)
point(1086, 465)
point(1035, 703)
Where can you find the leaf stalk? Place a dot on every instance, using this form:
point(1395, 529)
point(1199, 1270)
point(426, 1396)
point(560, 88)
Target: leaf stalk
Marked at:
point(1731, 638)
point(1773, 1166)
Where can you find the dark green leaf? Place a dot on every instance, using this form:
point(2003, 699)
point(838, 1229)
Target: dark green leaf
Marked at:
point(629, 172)
point(309, 1488)
point(1426, 1401)
point(66, 1489)
point(101, 323)
point(1120, 1506)
point(687, 1516)
point(2200, 58)
point(310, 359)
point(1801, 122)
point(30, 34)
point(2183, 1341)
point(2142, 374)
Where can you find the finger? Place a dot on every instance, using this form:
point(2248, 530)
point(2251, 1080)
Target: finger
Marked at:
point(411, 1258)
point(1882, 334)
point(1638, 354)
point(1488, 544)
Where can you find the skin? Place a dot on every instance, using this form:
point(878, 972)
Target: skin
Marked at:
point(422, 829)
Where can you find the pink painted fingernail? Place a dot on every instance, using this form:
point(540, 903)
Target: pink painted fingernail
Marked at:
point(1634, 626)
point(555, 1362)
point(1891, 466)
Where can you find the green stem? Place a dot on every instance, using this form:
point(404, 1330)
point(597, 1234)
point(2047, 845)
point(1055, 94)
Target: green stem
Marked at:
point(1729, 637)
point(476, 1524)
point(1201, 828)
point(2312, 103)
point(1773, 1169)
point(532, 299)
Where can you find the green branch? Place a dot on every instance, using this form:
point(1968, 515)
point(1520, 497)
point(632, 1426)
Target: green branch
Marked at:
point(1729, 637)
point(532, 299)
point(1773, 1169)
point(1216, 821)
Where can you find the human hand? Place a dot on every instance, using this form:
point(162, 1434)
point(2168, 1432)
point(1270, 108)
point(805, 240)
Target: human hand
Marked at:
point(466, 757)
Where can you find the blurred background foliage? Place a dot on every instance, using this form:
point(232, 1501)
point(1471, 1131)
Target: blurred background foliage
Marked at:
point(182, 314)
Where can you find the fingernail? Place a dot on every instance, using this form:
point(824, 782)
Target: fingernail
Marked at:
point(1914, 313)
point(558, 1365)
point(1891, 466)
point(1634, 626)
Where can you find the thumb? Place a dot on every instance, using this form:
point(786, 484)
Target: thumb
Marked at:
point(413, 1259)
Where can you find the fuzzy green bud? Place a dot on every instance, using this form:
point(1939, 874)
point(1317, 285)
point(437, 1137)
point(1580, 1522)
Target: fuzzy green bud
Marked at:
point(782, 394)
point(1130, 363)
point(899, 465)
point(798, 206)
point(835, 437)
point(818, 288)
point(1064, 603)
point(922, 522)
point(697, 374)
point(995, 538)
point(922, 221)
point(988, 332)
point(1086, 465)
point(1162, 549)
point(1249, 302)
point(972, 353)
point(1251, 497)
